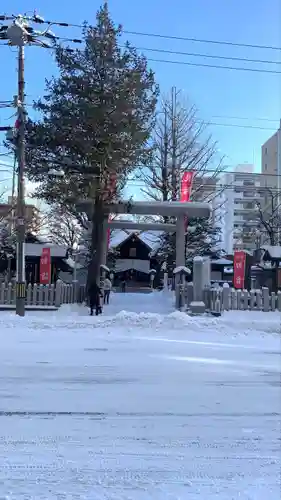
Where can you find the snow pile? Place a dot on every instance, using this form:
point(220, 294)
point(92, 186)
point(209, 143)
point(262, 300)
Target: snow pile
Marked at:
point(76, 318)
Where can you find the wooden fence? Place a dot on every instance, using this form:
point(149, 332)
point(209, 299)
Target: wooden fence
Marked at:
point(224, 299)
point(44, 295)
point(229, 299)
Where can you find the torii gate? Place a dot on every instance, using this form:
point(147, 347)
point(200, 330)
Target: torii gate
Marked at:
point(179, 210)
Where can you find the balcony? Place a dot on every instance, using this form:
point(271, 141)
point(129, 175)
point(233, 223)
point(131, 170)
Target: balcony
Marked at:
point(242, 209)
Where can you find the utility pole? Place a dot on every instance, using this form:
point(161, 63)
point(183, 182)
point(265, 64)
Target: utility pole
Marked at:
point(165, 157)
point(174, 144)
point(20, 282)
point(18, 34)
point(279, 184)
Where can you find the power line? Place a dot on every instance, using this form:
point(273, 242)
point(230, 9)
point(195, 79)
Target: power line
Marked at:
point(226, 117)
point(39, 20)
point(207, 171)
point(36, 19)
point(211, 56)
point(215, 66)
point(188, 63)
point(199, 40)
point(190, 54)
point(240, 126)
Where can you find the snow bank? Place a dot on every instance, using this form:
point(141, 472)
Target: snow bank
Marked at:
point(76, 317)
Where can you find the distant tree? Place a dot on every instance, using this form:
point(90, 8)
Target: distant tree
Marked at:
point(63, 228)
point(97, 117)
point(181, 143)
point(268, 215)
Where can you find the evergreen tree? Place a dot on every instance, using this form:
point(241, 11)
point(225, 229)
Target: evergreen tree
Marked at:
point(96, 120)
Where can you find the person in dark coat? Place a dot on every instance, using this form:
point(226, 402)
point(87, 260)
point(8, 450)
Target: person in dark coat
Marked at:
point(94, 293)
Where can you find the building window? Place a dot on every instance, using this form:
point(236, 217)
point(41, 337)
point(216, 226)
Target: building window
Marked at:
point(132, 252)
point(265, 166)
point(265, 151)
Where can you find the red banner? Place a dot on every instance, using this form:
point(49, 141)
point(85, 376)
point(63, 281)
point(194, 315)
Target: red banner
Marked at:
point(186, 185)
point(239, 269)
point(186, 188)
point(45, 266)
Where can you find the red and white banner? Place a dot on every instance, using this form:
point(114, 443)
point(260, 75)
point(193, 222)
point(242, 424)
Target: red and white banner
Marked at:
point(239, 269)
point(45, 266)
point(186, 186)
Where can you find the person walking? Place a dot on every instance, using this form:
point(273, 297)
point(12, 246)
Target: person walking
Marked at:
point(94, 293)
point(107, 286)
point(123, 286)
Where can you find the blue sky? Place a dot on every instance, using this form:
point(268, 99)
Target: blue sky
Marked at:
point(215, 92)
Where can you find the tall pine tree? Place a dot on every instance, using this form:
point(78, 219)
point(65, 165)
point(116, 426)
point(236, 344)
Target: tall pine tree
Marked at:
point(96, 120)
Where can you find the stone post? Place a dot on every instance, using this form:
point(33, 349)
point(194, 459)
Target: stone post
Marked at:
point(225, 297)
point(58, 293)
point(197, 306)
point(265, 296)
point(180, 245)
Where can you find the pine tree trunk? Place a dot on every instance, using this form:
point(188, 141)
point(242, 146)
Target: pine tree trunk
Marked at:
point(96, 243)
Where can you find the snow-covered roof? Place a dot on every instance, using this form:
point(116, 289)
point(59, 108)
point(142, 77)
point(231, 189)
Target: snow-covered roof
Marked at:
point(273, 251)
point(42, 239)
point(71, 263)
point(222, 262)
point(151, 239)
point(182, 269)
point(35, 249)
point(118, 237)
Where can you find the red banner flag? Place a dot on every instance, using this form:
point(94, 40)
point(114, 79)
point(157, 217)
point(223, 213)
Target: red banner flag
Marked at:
point(186, 186)
point(45, 266)
point(239, 269)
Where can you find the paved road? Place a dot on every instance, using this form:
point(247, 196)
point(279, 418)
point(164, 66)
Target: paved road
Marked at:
point(100, 414)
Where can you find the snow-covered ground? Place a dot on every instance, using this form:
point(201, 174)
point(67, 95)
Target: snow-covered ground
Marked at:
point(132, 406)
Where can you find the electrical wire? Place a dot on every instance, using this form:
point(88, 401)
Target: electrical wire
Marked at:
point(165, 36)
point(163, 61)
point(200, 40)
point(215, 66)
point(238, 126)
point(175, 52)
point(189, 63)
point(211, 56)
point(226, 117)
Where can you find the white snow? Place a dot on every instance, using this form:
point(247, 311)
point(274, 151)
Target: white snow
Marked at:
point(140, 405)
point(152, 239)
point(222, 262)
point(273, 250)
point(105, 268)
point(119, 236)
point(181, 269)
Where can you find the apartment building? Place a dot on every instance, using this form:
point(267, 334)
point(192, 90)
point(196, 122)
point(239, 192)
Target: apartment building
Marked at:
point(205, 190)
point(271, 163)
point(32, 214)
point(241, 189)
